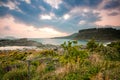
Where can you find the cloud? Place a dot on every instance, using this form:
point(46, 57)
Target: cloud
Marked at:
point(60, 15)
point(54, 3)
point(85, 14)
point(82, 22)
point(42, 8)
point(22, 30)
point(66, 16)
point(45, 17)
point(68, 5)
point(85, 10)
point(88, 3)
point(28, 1)
point(108, 19)
point(112, 4)
point(6, 28)
point(29, 9)
point(113, 14)
point(11, 5)
point(43, 4)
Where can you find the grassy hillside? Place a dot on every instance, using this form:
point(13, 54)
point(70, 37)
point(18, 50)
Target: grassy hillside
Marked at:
point(95, 62)
point(99, 34)
point(96, 33)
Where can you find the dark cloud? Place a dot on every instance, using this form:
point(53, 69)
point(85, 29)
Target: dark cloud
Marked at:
point(29, 13)
point(113, 14)
point(67, 5)
point(112, 4)
point(4, 1)
point(92, 17)
point(7, 28)
point(89, 3)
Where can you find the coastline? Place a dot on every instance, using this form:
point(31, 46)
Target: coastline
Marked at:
point(27, 44)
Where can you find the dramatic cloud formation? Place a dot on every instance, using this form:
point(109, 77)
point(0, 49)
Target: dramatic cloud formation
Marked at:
point(8, 27)
point(49, 18)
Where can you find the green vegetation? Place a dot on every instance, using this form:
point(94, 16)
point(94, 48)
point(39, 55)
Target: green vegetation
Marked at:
point(19, 42)
point(104, 34)
point(70, 62)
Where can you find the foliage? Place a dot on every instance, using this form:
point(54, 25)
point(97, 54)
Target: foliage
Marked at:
point(115, 45)
point(92, 45)
point(95, 61)
point(16, 74)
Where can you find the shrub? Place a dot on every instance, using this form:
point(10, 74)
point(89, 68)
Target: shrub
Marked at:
point(72, 76)
point(91, 45)
point(16, 74)
point(48, 53)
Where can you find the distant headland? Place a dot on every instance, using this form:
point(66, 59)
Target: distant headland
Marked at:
point(107, 34)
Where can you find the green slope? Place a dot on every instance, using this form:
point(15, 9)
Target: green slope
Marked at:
point(96, 33)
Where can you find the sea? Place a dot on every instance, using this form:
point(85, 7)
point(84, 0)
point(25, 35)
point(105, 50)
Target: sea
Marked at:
point(43, 41)
point(56, 41)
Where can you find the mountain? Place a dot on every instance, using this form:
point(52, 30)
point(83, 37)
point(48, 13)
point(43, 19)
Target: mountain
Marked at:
point(96, 33)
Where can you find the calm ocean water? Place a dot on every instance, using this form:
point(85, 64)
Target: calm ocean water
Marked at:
point(44, 41)
point(56, 41)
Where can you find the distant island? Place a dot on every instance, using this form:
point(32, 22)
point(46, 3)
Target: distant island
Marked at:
point(96, 33)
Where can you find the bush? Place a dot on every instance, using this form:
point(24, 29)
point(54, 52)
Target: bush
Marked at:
point(16, 74)
point(72, 76)
point(48, 53)
point(91, 45)
point(50, 67)
point(115, 45)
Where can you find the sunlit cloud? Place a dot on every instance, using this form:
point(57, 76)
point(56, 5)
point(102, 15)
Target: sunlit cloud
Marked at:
point(22, 30)
point(28, 1)
point(85, 10)
point(11, 5)
point(82, 22)
point(54, 3)
point(66, 16)
point(62, 16)
point(44, 17)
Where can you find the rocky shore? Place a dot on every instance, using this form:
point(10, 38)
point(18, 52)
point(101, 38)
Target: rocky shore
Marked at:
point(24, 42)
point(19, 42)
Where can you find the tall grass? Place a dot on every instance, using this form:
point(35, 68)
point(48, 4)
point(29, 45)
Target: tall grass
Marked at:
point(95, 62)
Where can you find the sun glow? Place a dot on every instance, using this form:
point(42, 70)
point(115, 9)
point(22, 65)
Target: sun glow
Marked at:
point(10, 27)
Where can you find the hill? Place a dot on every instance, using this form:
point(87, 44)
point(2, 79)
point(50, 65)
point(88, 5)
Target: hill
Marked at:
point(96, 33)
point(67, 37)
point(19, 42)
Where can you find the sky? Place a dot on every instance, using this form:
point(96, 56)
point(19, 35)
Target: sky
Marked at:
point(53, 18)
